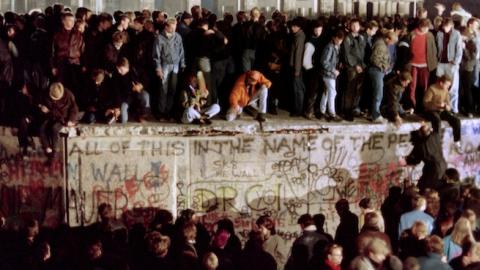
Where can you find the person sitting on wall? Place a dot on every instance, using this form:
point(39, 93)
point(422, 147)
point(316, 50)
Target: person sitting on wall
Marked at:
point(438, 107)
point(194, 101)
point(250, 89)
point(59, 109)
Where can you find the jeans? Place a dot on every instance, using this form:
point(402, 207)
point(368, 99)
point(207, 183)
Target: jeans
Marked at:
point(328, 96)
point(257, 101)
point(298, 95)
point(191, 114)
point(453, 72)
point(168, 89)
point(140, 100)
point(248, 59)
point(376, 77)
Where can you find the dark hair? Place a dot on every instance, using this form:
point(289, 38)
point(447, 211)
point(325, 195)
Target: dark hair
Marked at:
point(305, 220)
point(267, 222)
point(365, 203)
point(340, 34)
point(123, 62)
point(317, 24)
point(297, 21)
point(452, 174)
point(226, 224)
point(103, 206)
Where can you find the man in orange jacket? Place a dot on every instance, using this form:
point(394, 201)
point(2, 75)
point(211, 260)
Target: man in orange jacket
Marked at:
point(250, 89)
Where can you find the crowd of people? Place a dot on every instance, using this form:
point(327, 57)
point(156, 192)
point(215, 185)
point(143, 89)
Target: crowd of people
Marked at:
point(59, 68)
point(411, 229)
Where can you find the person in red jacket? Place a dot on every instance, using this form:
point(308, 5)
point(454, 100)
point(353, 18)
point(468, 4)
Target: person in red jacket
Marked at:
point(250, 89)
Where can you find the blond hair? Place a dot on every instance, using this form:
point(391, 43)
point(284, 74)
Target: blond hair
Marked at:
point(462, 231)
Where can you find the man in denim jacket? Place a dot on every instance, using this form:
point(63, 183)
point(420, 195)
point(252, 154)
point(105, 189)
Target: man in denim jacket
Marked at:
point(450, 50)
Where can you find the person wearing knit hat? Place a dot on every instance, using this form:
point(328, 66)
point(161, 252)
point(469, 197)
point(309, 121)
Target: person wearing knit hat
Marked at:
point(59, 109)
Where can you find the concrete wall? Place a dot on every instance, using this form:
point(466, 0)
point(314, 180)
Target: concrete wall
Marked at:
point(280, 172)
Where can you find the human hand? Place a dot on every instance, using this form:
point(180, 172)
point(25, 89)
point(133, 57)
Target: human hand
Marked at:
point(43, 108)
point(70, 124)
point(160, 73)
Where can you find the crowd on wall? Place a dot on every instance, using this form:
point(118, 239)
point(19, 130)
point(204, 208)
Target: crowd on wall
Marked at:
point(59, 68)
point(429, 229)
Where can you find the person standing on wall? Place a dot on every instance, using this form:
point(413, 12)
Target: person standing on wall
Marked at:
point(450, 50)
point(168, 56)
point(296, 58)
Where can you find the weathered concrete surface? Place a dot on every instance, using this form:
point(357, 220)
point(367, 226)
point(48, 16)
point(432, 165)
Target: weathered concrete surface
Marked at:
point(284, 167)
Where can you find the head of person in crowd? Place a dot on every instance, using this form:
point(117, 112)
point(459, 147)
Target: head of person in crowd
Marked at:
point(444, 82)
point(473, 25)
point(163, 218)
point(210, 261)
point(81, 26)
point(241, 17)
point(462, 232)
point(255, 14)
point(98, 76)
point(196, 12)
point(189, 232)
point(452, 176)
point(411, 263)
point(472, 217)
point(355, 26)
point(118, 39)
point(255, 241)
point(342, 206)
point(149, 26)
point(68, 21)
point(422, 13)
point(433, 202)
point(220, 239)
point(227, 19)
point(226, 224)
point(333, 255)
point(447, 25)
point(158, 244)
point(319, 220)
point(390, 38)
point(296, 25)
point(371, 28)
point(317, 28)
point(104, 22)
point(186, 18)
point(435, 244)
point(123, 22)
point(123, 66)
point(374, 222)
point(32, 229)
point(424, 26)
point(377, 251)
point(105, 213)
point(405, 78)
point(437, 23)
point(147, 14)
point(94, 250)
point(419, 203)
point(266, 226)
point(171, 26)
point(366, 205)
point(338, 37)
point(419, 230)
point(305, 221)
point(138, 24)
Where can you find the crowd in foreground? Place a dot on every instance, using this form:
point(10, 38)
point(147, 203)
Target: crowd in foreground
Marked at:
point(414, 230)
point(59, 68)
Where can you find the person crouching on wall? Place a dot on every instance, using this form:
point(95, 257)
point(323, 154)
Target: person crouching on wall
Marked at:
point(59, 109)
